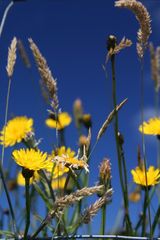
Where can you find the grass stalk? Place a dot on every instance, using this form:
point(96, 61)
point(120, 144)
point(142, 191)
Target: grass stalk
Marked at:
point(120, 166)
point(2, 159)
point(144, 213)
point(9, 201)
point(126, 203)
point(5, 16)
point(143, 140)
point(61, 137)
point(5, 118)
point(155, 221)
point(158, 140)
point(103, 224)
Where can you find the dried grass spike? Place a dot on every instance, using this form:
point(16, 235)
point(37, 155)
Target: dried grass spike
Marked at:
point(95, 207)
point(144, 20)
point(23, 54)
point(123, 44)
point(109, 119)
point(11, 57)
point(155, 65)
point(158, 68)
point(46, 75)
point(79, 194)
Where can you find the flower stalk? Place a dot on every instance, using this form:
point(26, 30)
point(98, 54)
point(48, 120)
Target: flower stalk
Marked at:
point(27, 174)
point(121, 164)
point(27, 208)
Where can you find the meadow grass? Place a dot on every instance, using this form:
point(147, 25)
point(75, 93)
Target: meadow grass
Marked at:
point(60, 179)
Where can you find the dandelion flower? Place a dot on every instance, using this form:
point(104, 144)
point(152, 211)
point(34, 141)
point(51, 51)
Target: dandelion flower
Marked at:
point(31, 159)
point(21, 179)
point(58, 183)
point(139, 176)
point(59, 169)
point(64, 159)
point(152, 127)
point(62, 121)
point(71, 162)
point(16, 130)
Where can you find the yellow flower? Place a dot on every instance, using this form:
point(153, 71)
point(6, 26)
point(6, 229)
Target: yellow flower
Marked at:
point(21, 179)
point(134, 196)
point(64, 159)
point(31, 159)
point(63, 151)
point(16, 130)
point(58, 183)
point(71, 161)
point(152, 127)
point(59, 169)
point(139, 177)
point(63, 121)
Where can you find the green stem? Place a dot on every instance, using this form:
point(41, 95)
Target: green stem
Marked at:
point(155, 221)
point(43, 195)
point(2, 155)
point(116, 120)
point(27, 207)
point(103, 224)
point(43, 225)
point(49, 185)
point(147, 203)
point(71, 175)
point(9, 201)
point(120, 166)
point(5, 120)
point(158, 151)
point(61, 138)
point(143, 139)
point(6, 116)
point(126, 203)
point(144, 214)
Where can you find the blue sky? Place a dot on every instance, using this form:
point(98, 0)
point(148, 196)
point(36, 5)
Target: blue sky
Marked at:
point(72, 34)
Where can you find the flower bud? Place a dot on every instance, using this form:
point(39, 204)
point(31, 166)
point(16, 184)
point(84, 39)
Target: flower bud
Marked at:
point(105, 171)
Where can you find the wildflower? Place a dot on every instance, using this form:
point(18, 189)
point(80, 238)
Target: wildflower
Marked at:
point(152, 175)
point(59, 169)
point(63, 157)
point(31, 159)
point(16, 130)
point(135, 196)
point(71, 162)
point(152, 127)
point(55, 169)
point(21, 179)
point(62, 121)
point(63, 151)
point(58, 183)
